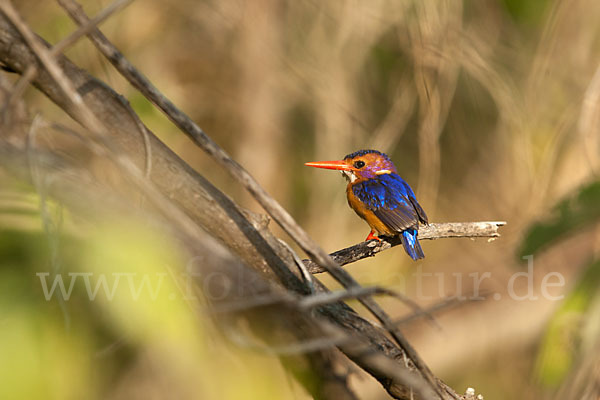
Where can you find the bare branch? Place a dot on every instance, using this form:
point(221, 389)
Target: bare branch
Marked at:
point(445, 304)
point(461, 229)
point(432, 231)
point(64, 44)
point(419, 388)
point(353, 293)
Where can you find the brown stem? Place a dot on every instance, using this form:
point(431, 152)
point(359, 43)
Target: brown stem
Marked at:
point(432, 231)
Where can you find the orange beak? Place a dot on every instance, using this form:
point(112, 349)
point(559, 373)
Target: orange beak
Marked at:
point(338, 165)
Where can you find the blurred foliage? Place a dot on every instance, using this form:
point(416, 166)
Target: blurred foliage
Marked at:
point(105, 313)
point(528, 13)
point(571, 215)
point(561, 345)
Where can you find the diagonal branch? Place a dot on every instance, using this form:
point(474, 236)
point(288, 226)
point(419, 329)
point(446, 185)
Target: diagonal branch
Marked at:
point(61, 46)
point(432, 231)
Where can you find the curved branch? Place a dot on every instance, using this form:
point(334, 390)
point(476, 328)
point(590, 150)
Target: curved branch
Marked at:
point(432, 231)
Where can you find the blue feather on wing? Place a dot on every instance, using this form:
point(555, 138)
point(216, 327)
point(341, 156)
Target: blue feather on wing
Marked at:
point(393, 201)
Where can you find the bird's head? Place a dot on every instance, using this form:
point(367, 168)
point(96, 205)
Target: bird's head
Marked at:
point(360, 165)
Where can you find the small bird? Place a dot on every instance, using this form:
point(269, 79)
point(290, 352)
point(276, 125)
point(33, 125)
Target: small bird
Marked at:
point(381, 197)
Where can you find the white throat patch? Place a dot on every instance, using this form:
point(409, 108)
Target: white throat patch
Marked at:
point(349, 175)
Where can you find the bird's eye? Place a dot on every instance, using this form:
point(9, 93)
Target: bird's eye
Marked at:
point(359, 164)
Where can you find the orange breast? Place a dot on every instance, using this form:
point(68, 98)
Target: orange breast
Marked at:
point(366, 214)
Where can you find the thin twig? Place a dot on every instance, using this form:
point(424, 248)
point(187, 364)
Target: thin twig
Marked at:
point(309, 280)
point(445, 304)
point(304, 303)
point(488, 229)
point(64, 44)
point(146, 139)
point(51, 229)
point(441, 230)
point(352, 293)
point(336, 337)
point(92, 24)
point(304, 346)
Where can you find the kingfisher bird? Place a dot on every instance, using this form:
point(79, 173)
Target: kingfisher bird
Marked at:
point(381, 197)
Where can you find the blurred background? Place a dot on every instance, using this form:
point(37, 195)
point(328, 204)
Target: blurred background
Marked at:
point(490, 109)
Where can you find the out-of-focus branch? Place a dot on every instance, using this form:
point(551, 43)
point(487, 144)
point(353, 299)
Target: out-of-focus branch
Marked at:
point(488, 229)
point(61, 46)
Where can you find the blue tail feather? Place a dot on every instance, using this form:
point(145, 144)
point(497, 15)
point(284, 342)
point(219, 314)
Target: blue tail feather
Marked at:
point(411, 244)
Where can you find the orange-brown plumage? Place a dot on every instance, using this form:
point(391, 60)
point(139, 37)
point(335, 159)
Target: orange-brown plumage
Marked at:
point(368, 215)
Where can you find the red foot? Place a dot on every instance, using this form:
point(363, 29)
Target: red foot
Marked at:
point(372, 236)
